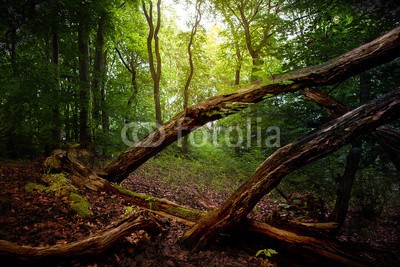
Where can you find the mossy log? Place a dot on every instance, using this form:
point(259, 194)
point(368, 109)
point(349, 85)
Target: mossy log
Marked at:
point(92, 245)
point(80, 175)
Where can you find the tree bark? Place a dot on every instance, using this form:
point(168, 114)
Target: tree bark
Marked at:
point(131, 67)
point(380, 50)
point(84, 91)
point(93, 245)
point(185, 143)
point(155, 66)
point(56, 125)
point(290, 157)
point(98, 69)
point(105, 120)
point(388, 138)
point(345, 186)
point(327, 250)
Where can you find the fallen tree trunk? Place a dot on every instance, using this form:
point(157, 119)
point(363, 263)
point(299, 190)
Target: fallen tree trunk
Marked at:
point(93, 245)
point(290, 157)
point(325, 249)
point(388, 138)
point(379, 51)
point(81, 176)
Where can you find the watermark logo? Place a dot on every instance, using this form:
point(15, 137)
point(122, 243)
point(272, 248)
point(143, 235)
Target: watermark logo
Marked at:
point(149, 134)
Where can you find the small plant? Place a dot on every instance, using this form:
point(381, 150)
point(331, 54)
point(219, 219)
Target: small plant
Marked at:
point(128, 211)
point(80, 205)
point(267, 253)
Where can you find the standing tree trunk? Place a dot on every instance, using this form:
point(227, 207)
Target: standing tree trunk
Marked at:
point(345, 186)
point(84, 91)
point(131, 67)
point(98, 70)
point(353, 161)
point(11, 139)
point(290, 157)
point(247, 19)
point(185, 144)
point(155, 66)
point(56, 125)
point(105, 120)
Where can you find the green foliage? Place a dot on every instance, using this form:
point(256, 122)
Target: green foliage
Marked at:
point(80, 205)
point(266, 253)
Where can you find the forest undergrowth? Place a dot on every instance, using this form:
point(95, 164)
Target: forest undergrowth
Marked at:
point(36, 212)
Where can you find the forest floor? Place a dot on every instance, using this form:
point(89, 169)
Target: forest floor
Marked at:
point(36, 217)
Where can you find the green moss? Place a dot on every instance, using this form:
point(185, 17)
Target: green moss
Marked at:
point(57, 183)
point(185, 213)
point(128, 192)
point(29, 187)
point(80, 205)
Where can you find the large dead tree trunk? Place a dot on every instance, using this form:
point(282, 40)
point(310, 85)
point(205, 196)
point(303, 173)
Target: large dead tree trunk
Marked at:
point(328, 250)
point(388, 138)
point(92, 245)
point(381, 50)
point(290, 157)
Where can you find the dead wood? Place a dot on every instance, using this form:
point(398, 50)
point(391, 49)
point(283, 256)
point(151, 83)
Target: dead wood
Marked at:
point(81, 176)
point(290, 157)
point(93, 245)
point(388, 138)
point(379, 51)
point(328, 250)
point(315, 227)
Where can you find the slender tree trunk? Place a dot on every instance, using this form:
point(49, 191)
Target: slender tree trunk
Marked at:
point(185, 143)
point(67, 122)
point(98, 69)
point(84, 91)
point(75, 116)
point(56, 130)
point(11, 131)
point(239, 64)
point(131, 67)
point(290, 157)
point(155, 65)
point(345, 186)
point(13, 52)
point(105, 120)
point(132, 101)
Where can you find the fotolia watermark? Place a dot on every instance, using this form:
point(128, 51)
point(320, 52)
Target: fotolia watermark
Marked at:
point(249, 135)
